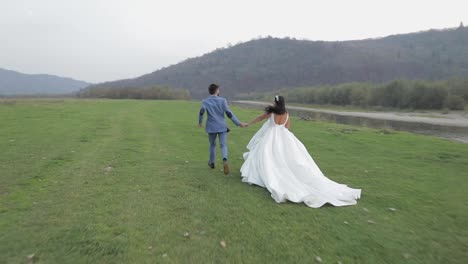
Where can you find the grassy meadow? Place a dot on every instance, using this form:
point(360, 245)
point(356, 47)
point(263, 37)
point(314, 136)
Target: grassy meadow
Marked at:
point(127, 181)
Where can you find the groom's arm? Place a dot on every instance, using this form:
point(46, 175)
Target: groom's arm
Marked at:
point(200, 116)
point(230, 114)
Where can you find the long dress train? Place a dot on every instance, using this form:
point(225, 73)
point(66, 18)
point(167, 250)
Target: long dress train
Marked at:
point(278, 161)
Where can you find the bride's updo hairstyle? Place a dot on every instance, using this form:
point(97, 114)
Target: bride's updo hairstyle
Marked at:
point(278, 108)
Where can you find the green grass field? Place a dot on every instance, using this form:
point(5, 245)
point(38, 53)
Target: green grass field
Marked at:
point(125, 181)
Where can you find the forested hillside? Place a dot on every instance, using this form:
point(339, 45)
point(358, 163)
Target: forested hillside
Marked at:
point(16, 83)
point(271, 63)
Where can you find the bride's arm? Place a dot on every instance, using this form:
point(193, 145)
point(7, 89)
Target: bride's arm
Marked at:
point(288, 124)
point(259, 118)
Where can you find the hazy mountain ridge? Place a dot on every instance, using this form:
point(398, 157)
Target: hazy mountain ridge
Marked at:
point(16, 83)
point(272, 63)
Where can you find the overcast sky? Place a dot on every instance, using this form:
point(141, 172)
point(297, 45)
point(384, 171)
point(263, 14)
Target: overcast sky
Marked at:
point(103, 40)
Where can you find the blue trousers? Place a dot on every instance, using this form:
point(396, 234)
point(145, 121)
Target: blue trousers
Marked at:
point(222, 143)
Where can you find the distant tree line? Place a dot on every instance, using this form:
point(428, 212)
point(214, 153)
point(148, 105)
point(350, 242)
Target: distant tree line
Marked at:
point(403, 94)
point(262, 65)
point(155, 93)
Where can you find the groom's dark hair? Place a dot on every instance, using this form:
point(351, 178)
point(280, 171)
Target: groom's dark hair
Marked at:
point(212, 88)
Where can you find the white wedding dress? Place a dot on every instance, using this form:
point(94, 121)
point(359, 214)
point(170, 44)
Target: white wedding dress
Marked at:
point(278, 161)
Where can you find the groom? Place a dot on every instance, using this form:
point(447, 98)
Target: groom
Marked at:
point(216, 107)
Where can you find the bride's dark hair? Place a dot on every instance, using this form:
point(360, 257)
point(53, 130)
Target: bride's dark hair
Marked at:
point(278, 108)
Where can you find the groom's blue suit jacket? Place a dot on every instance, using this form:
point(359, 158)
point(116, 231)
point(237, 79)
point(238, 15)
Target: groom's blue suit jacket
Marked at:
point(216, 107)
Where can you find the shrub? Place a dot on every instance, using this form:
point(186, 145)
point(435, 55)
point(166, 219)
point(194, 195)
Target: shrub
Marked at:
point(455, 102)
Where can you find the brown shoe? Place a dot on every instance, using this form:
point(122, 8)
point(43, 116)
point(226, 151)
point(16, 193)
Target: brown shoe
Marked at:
point(226, 168)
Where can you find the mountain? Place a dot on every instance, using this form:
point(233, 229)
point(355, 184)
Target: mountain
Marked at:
point(271, 63)
point(16, 83)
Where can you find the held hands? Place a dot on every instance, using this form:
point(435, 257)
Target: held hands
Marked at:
point(243, 125)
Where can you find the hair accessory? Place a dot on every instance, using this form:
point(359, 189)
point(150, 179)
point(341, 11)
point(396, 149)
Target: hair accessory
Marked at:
point(276, 98)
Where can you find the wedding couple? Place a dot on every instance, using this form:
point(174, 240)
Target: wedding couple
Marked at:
point(276, 160)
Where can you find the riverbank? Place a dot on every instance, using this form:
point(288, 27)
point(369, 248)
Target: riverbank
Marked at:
point(453, 126)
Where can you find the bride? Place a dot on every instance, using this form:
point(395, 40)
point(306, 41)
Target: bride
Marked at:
point(278, 161)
